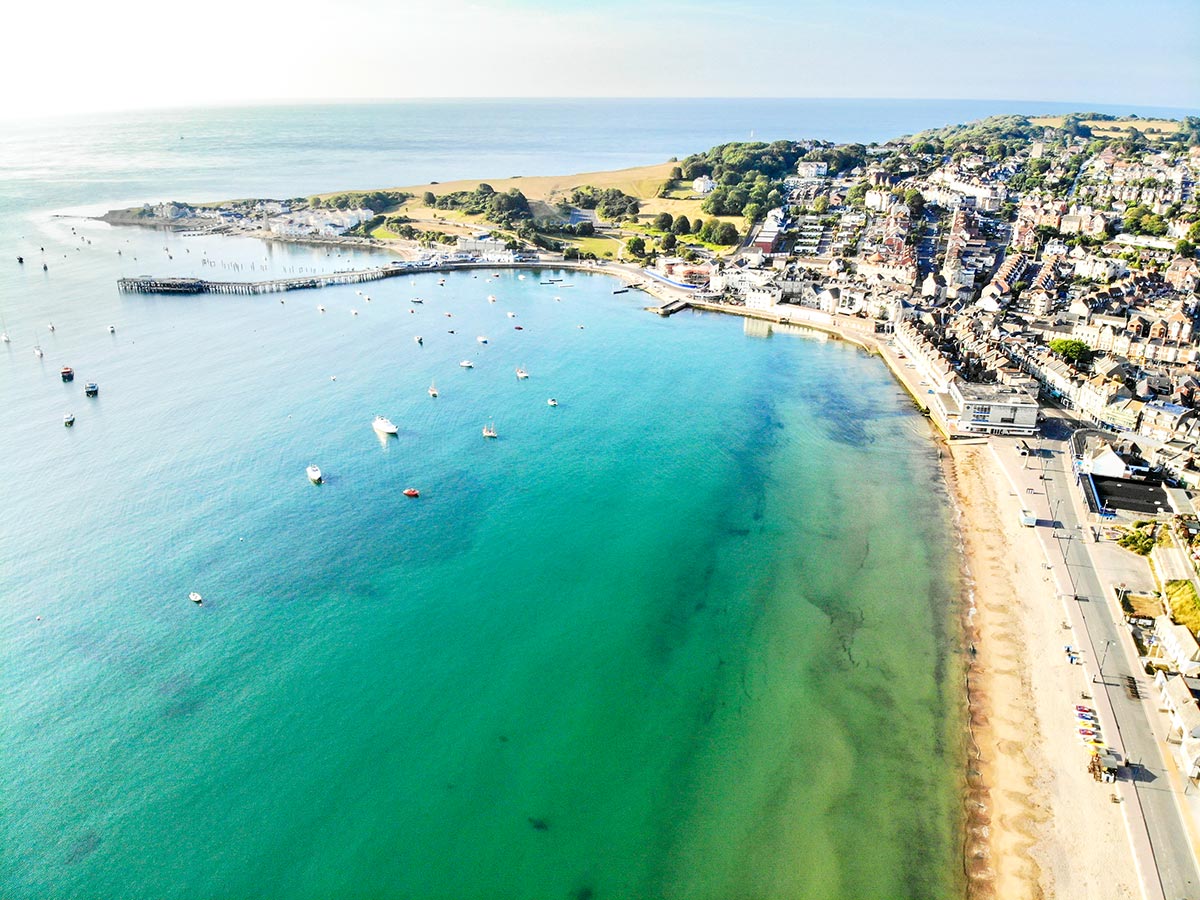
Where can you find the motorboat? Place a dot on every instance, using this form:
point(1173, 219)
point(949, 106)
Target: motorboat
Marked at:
point(411, 492)
point(51, 326)
point(518, 328)
point(511, 315)
point(521, 373)
point(489, 430)
point(91, 389)
point(112, 329)
point(195, 597)
point(37, 351)
point(67, 373)
point(491, 298)
point(552, 402)
point(467, 364)
point(418, 339)
point(433, 391)
point(417, 300)
point(481, 339)
point(5, 338)
point(320, 308)
point(69, 420)
point(383, 425)
point(354, 312)
point(314, 474)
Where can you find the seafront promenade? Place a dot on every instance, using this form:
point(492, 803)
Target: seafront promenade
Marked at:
point(1161, 829)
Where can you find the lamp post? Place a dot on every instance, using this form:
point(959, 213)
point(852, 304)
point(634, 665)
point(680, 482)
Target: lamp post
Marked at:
point(1104, 656)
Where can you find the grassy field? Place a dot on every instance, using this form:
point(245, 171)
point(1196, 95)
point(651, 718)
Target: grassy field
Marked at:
point(1117, 127)
point(642, 181)
point(603, 246)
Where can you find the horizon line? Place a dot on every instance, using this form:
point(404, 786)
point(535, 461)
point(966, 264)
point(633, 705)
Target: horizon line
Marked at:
point(282, 102)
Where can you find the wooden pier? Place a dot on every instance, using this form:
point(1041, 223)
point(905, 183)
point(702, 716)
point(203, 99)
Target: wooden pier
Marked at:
point(146, 284)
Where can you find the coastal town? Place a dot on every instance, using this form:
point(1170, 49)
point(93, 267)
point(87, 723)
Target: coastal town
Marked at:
point(1033, 285)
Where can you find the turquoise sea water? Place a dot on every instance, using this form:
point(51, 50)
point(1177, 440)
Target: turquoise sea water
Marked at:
point(686, 635)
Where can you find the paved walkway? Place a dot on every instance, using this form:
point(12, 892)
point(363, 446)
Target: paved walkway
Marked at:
point(1159, 820)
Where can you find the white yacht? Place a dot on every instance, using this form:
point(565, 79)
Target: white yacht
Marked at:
point(383, 425)
point(195, 597)
point(491, 298)
point(467, 364)
point(433, 392)
point(481, 339)
point(417, 339)
point(552, 402)
point(521, 373)
point(314, 474)
point(512, 315)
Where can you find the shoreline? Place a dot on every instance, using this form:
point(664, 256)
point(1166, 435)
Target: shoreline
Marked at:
point(1024, 788)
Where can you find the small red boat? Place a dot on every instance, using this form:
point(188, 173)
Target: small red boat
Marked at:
point(67, 373)
point(411, 492)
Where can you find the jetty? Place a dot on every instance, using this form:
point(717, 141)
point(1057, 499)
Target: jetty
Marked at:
point(149, 284)
point(671, 307)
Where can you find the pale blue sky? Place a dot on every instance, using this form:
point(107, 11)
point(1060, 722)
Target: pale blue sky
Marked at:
point(140, 53)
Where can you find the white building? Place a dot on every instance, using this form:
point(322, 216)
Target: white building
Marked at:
point(812, 169)
point(995, 408)
point(1181, 706)
point(704, 185)
point(1178, 646)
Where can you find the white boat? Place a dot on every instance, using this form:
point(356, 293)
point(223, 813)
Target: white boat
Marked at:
point(354, 312)
point(195, 597)
point(467, 364)
point(489, 430)
point(37, 351)
point(417, 300)
point(314, 474)
point(418, 339)
point(112, 329)
point(491, 298)
point(511, 315)
point(552, 402)
point(521, 373)
point(383, 425)
point(442, 282)
point(5, 338)
point(51, 326)
point(432, 389)
point(69, 420)
point(481, 339)
point(320, 309)
point(520, 277)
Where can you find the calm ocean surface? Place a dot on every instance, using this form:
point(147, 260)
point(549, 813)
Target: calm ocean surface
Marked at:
point(686, 635)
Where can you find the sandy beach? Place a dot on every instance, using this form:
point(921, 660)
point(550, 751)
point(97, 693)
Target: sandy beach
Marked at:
point(1038, 825)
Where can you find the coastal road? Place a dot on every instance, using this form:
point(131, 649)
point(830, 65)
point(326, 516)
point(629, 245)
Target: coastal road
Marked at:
point(1173, 856)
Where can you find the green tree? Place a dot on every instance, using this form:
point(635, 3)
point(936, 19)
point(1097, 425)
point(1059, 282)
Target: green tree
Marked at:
point(915, 201)
point(726, 234)
point(585, 229)
point(752, 212)
point(676, 174)
point(669, 241)
point(1186, 248)
point(857, 194)
point(636, 246)
point(820, 204)
point(682, 226)
point(699, 223)
point(662, 222)
point(1075, 352)
point(429, 199)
